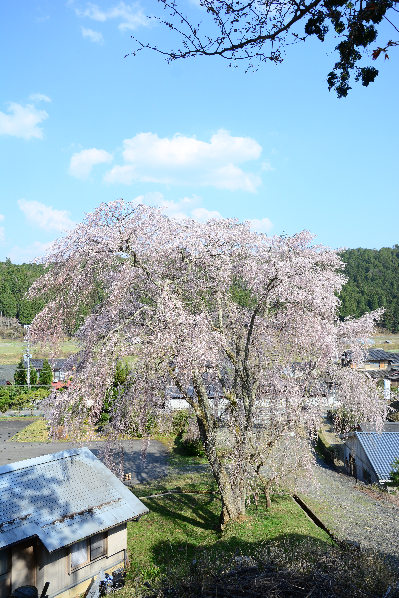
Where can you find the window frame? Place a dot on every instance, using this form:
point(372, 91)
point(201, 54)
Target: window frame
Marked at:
point(88, 551)
point(105, 546)
point(87, 561)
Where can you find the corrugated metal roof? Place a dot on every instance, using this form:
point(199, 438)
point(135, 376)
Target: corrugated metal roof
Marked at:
point(381, 449)
point(62, 498)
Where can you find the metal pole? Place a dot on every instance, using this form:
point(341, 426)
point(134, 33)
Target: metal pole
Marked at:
point(28, 355)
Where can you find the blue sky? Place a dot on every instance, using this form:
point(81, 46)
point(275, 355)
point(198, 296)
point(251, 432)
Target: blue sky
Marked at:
point(80, 125)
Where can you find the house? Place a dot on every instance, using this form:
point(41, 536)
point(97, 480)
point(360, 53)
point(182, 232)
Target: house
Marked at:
point(376, 359)
point(368, 453)
point(63, 519)
point(57, 365)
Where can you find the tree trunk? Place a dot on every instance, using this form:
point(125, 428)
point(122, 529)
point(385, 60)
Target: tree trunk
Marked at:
point(232, 492)
point(268, 500)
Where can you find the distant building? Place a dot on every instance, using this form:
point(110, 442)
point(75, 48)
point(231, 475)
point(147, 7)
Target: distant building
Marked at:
point(369, 454)
point(376, 359)
point(60, 374)
point(63, 519)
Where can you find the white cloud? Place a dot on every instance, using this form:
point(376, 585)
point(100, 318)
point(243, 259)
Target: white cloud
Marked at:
point(94, 36)
point(191, 207)
point(18, 255)
point(22, 121)
point(38, 214)
point(266, 166)
point(186, 160)
point(82, 162)
point(187, 207)
point(261, 226)
point(1, 217)
point(202, 214)
point(130, 15)
point(39, 97)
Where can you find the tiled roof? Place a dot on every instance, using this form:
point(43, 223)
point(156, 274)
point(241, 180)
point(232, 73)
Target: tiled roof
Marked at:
point(381, 449)
point(56, 364)
point(394, 357)
point(62, 498)
point(379, 355)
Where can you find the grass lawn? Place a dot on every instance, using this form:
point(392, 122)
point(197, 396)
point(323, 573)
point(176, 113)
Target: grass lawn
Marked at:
point(37, 431)
point(11, 351)
point(180, 527)
point(380, 342)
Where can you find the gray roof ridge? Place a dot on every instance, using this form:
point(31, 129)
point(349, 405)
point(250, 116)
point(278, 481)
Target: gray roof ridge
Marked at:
point(43, 459)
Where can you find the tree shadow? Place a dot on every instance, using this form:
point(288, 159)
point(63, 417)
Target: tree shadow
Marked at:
point(175, 506)
point(236, 567)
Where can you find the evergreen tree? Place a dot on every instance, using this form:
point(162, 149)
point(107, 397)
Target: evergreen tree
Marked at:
point(46, 374)
point(20, 376)
point(373, 281)
point(33, 376)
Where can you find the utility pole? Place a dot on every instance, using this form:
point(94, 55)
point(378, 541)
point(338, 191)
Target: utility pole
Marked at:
point(27, 355)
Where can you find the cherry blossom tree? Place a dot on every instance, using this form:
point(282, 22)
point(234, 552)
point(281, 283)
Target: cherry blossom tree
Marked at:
point(243, 326)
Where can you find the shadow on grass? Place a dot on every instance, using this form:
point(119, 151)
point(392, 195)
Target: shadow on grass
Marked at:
point(188, 509)
point(277, 567)
point(178, 545)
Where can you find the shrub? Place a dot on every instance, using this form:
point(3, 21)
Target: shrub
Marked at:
point(395, 471)
point(4, 400)
point(187, 441)
point(278, 568)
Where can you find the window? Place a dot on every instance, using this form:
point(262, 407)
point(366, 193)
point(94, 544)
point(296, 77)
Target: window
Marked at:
point(97, 546)
point(88, 550)
point(79, 554)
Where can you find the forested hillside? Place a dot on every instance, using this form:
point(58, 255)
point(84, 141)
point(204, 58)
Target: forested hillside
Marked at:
point(15, 280)
point(373, 282)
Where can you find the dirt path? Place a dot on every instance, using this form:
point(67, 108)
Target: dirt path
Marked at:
point(351, 514)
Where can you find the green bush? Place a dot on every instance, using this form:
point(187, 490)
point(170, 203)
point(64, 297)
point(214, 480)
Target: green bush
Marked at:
point(4, 400)
point(180, 421)
point(395, 471)
point(20, 402)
